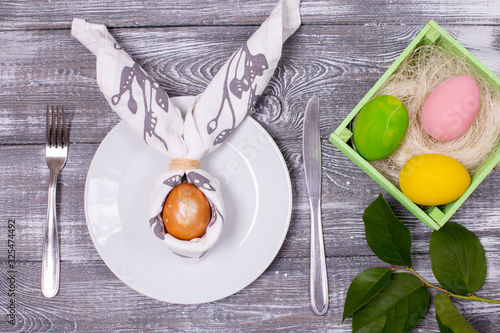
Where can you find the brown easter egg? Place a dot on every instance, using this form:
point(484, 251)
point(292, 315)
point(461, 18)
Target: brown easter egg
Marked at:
point(186, 212)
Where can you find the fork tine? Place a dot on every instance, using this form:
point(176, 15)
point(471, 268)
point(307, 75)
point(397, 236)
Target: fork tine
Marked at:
point(59, 129)
point(47, 129)
point(53, 133)
point(65, 130)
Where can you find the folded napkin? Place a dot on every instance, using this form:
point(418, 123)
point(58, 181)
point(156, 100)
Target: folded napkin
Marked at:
point(214, 114)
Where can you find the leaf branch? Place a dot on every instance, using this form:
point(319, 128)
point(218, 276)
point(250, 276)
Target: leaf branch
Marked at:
point(471, 297)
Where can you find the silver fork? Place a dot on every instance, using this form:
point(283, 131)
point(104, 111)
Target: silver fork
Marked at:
point(56, 152)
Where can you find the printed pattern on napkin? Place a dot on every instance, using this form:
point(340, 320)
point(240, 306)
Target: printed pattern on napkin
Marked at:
point(149, 88)
point(214, 114)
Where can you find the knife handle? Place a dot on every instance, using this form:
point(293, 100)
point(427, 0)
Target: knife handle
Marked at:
point(319, 279)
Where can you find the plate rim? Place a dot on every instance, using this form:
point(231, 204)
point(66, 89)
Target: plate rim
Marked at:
point(262, 267)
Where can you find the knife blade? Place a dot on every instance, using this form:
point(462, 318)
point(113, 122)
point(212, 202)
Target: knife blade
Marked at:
point(312, 167)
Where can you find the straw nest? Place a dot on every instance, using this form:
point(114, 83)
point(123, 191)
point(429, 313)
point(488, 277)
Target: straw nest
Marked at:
point(422, 72)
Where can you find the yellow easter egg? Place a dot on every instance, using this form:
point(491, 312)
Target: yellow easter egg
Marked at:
point(433, 179)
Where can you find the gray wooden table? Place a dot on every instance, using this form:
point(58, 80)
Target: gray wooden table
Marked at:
point(338, 53)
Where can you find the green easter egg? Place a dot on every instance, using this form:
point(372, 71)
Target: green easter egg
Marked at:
point(380, 127)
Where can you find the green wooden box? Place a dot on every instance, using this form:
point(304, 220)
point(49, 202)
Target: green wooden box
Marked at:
point(434, 217)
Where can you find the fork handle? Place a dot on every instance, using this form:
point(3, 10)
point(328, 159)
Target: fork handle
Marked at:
point(50, 256)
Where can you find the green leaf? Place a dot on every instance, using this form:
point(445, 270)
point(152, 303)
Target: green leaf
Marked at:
point(448, 317)
point(397, 308)
point(443, 329)
point(388, 238)
point(364, 287)
point(457, 258)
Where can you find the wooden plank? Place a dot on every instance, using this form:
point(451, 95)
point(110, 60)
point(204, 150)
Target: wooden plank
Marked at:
point(338, 63)
point(347, 191)
point(91, 298)
point(58, 14)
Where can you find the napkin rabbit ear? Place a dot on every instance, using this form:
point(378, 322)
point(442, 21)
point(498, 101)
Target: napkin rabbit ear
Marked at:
point(81, 30)
point(131, 92)
point(233, 91)
point(135, 96)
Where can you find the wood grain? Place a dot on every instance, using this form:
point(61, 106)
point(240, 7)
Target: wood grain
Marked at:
point(346, 193)
point(340, 64)
point(110, 305)
point(339, 52)
point(41, 14)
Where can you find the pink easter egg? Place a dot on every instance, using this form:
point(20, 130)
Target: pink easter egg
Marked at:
point(450, 109)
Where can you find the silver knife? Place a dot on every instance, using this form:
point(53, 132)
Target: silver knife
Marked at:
point(312, 166)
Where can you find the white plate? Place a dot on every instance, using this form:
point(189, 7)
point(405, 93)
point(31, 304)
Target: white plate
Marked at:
point(257, 195)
